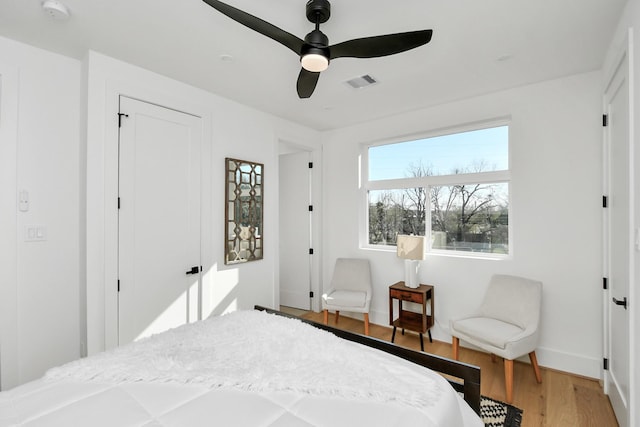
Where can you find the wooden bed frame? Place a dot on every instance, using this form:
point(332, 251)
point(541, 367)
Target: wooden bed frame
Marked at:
point(466, 378)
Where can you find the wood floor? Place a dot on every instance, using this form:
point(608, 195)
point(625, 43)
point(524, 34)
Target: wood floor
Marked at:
point(562, 400)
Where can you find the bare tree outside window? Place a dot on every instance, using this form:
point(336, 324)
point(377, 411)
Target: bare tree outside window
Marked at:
point(393, 212)
point(470, 217)
point(466, 217)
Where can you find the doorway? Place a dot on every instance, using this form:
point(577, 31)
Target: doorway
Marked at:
point(158, 219)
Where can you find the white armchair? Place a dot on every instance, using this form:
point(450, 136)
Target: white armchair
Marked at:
point(350, 290)
point(506, 324)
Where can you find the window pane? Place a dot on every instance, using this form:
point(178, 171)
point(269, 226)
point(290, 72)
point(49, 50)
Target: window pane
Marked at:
point(393, 212)
point(471, 217)
point(481, 150)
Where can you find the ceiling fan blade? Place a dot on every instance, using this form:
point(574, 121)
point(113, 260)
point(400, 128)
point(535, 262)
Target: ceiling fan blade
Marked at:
point(307, 81)
point(372, 47)
point(263, 27)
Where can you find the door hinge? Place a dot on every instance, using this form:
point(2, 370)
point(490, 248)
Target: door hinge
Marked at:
point(605, 364)
point(310, 251)
point(118, 202)
point(605, 201)
point(310, 165)
point(605, 120)
point(311, 294)
point(118, 285)
point(310, 208)
point(120, 118)
point(605, 283)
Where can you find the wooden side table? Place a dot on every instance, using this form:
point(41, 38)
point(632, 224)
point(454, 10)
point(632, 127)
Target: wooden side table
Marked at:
point(413, 321)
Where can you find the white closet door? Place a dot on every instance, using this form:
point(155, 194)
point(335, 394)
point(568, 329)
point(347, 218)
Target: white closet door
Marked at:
point(295, 230)
point(159, 219)
point(620, 241)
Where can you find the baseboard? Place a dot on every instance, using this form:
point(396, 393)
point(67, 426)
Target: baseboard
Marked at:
point(577, 364)
point(590, 367)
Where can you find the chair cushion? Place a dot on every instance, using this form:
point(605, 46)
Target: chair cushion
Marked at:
point(512, 299)
point(346, 298)
point(351, 274)
point(485, 330)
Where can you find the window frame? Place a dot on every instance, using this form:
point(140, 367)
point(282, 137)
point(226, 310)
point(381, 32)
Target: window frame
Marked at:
point(427, 182)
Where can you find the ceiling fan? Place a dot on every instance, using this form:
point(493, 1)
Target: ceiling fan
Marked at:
point(314, 51)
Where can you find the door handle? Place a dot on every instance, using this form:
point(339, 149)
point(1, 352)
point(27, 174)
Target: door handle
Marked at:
point(194, 270)
point(622, 302)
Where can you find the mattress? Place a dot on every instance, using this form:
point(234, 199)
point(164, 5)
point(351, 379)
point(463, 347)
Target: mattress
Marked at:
point(243, 369)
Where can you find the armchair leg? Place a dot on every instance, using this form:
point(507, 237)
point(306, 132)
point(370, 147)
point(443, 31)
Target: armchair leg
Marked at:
point(366, 323)
point(337, 316)
point(456, 347)
point(536, 368)
point(325, 316)
point(508, 379)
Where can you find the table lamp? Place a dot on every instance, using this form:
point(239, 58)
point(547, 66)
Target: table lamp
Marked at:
point(411, 249)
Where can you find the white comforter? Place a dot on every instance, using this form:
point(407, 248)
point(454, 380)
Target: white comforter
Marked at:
point(247, 368)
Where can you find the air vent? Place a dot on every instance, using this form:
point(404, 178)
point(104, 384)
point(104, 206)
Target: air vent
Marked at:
point(362, 81)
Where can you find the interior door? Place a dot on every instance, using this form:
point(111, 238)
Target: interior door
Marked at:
point(159, 219)
point(295, 230)
point(620, 228)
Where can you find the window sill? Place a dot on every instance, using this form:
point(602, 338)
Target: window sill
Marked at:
point(441, 253)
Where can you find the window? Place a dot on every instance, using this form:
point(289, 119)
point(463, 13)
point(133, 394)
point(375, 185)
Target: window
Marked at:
point(452, 188)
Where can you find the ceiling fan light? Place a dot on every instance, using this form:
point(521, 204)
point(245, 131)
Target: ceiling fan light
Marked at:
point(314, 62)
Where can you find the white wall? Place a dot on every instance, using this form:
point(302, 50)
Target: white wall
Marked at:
point(231, 130)
point(41, 283)
point(630, 21)
point(555, 152)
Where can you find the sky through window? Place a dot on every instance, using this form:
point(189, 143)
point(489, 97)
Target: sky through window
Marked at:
point(443, 155)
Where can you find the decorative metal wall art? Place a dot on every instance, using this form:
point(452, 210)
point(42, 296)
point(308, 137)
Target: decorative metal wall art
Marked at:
point(244, 195)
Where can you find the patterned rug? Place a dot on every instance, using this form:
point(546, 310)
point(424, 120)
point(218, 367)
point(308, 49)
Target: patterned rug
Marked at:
point(499, 414)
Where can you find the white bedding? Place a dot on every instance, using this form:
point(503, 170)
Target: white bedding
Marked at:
point(247, 368)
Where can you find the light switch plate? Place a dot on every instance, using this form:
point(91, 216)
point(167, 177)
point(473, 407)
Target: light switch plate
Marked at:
point(35, 233)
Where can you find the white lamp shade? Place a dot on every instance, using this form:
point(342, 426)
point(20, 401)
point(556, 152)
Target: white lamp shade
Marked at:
point(410, 247)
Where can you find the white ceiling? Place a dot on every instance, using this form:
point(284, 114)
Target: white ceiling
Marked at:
point(477, 47)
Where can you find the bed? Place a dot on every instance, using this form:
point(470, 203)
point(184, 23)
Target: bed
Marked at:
point(249, 368)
